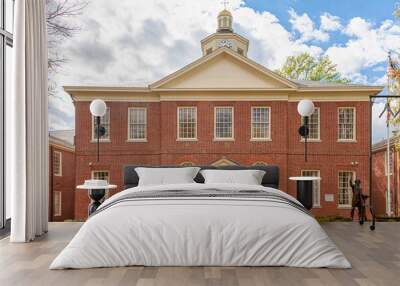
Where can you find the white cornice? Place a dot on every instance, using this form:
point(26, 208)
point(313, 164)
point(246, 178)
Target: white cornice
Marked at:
point(69, 89)
point(224, 35)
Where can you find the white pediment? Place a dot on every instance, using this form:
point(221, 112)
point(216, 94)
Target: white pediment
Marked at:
point(224, 162)
point(224, 71)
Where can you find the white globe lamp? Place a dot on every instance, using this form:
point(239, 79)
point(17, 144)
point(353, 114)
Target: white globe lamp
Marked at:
point(305, 108)
point(98, 108)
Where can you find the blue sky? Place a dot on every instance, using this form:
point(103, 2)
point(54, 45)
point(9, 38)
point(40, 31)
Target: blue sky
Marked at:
point(375, 10)
point(129, 42)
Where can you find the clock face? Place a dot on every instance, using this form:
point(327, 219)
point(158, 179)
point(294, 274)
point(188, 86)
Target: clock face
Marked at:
point(225, 43)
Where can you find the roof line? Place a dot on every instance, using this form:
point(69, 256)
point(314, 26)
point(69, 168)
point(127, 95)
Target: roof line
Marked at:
point(217, 52)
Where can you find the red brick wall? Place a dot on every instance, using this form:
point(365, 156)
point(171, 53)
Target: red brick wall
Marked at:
point(285, 149)
point(64, 184)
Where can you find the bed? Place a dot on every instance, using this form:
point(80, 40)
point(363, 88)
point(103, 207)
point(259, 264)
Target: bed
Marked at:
point(198, 224)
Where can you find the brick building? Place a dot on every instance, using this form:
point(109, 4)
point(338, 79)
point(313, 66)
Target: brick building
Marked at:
point(380, 175)
point(62, 175)
point(225, 108)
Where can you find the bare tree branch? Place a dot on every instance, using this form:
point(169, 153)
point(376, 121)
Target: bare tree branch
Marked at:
point(59, 28)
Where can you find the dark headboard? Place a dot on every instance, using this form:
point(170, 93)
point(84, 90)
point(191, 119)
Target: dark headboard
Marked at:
point(271, 177)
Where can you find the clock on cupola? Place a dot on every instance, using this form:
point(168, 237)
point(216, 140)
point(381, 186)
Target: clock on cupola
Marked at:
point(225, 37)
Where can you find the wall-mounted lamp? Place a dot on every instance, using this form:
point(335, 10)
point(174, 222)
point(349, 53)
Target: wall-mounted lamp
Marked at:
point(98, 108)
point(305, 108)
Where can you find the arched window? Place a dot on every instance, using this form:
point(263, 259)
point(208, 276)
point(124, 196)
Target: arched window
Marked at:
point(260, 163)
point(225, 23)
point(186, 164)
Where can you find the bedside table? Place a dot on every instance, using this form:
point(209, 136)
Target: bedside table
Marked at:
point(96, 191)
point(305, 190)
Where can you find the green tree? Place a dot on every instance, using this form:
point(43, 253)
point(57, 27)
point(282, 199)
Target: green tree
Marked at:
point(306, 67)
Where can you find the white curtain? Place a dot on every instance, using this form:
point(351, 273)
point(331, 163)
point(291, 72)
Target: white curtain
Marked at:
point(27, 125)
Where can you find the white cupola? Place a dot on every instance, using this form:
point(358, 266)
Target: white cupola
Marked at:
point(225, 20)
point(225, 37)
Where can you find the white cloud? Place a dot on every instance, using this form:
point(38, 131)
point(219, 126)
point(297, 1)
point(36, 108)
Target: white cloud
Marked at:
point(367, 46)
point(330, 22)
point(378, 124)
point(138, 42)
point(306, 27)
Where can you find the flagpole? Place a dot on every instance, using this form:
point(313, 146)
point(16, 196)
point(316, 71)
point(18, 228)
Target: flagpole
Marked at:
point(388, 156)
point(388, 170)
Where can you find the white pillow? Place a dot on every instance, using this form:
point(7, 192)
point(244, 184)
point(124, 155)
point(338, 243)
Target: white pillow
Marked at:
point(166, 176)
point(248, 177)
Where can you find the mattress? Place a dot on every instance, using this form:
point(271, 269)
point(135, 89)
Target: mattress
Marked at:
point(201, 225)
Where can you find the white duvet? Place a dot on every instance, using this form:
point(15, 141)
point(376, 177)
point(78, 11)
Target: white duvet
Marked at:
point(202, 232)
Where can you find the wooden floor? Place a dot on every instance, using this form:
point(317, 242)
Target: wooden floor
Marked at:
point(375, 257)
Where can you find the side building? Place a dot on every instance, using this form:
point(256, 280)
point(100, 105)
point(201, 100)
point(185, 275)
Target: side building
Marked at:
point(61, 175)
point(385, 169)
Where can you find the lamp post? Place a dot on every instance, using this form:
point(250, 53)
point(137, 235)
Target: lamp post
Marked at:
point(98, 108)
point(305, 108)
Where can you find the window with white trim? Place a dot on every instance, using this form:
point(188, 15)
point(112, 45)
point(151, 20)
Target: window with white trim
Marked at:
point(6, 66)
point(102, 175)
point(316, 186)
point(313, 125)
point(105, 122)
point(347, 123)
point(345, 192)
point(57, 203)
point(187, 123)
point(260, 123)
point(137, 124)
point(57, 163)
point(390, 162)
point(223, 123)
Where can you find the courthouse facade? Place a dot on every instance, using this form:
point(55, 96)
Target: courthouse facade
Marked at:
point(224, 108)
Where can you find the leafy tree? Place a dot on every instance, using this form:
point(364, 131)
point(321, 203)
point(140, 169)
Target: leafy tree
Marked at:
point(306, 67)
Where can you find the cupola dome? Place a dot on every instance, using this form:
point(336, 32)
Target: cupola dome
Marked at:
point(225, 22)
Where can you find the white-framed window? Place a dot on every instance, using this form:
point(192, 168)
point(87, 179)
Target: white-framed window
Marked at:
point(345, 192)
point(105, 122)
point(57, 203)
point(313, 125)
point(316, 186)
point(57, 163)
point(187, 123)
point(102, 175)
point(223, 123)
point(260, 123)
point(390, 163)
point(7, 62)
point(347, 123)
point(137, 124)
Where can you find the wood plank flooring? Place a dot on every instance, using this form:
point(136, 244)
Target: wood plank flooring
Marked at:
point(375, 257)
